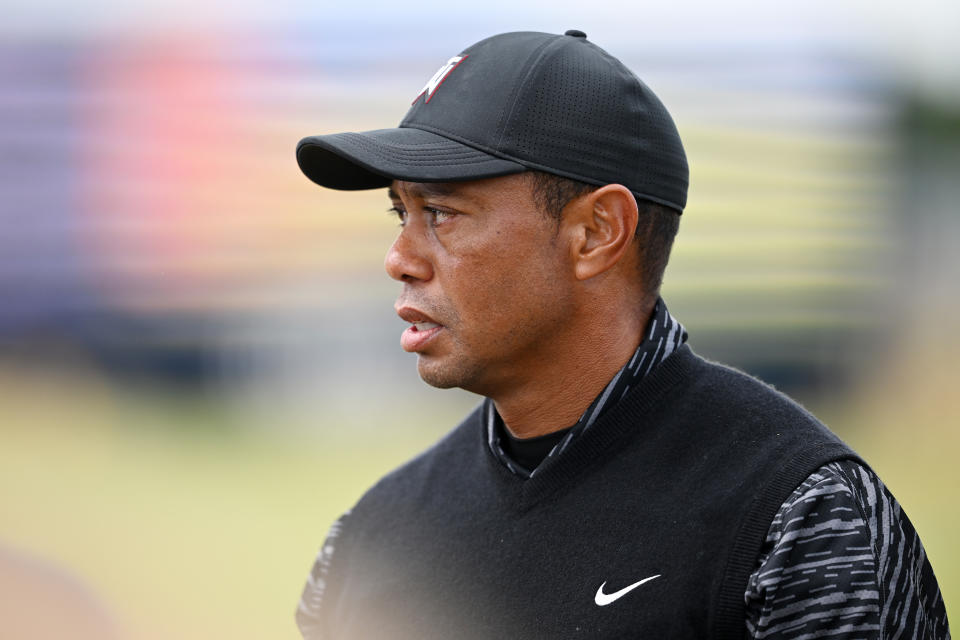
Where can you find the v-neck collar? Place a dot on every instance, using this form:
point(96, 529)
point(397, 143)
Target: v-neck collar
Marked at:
point(663, 336)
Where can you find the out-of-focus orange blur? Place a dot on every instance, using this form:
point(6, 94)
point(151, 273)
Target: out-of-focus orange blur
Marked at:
point(199, 362)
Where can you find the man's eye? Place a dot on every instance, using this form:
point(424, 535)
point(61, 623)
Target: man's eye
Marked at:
point(438, 215)
point(400, 213)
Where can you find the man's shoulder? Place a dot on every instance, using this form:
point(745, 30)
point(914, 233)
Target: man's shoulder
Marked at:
point(731, 393)
point(734, 416)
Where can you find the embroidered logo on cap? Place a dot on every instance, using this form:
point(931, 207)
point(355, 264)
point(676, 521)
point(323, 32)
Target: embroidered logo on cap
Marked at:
point(439, 77)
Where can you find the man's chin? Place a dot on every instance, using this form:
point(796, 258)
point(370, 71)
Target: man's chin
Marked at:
point(442, 375)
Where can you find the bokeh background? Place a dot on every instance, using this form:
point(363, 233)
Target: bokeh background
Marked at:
point(199, 364)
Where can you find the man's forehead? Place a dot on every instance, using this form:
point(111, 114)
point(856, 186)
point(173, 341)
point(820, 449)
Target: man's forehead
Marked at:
point(424, 189)
point(476, 190)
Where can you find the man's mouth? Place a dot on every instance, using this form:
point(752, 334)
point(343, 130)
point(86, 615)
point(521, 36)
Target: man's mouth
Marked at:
point(422, 329)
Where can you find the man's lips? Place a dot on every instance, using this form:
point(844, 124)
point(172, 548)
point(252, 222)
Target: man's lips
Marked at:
point(422, 329)
point(413, 315)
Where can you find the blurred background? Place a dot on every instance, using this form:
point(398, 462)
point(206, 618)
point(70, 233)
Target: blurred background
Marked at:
point(199, 362)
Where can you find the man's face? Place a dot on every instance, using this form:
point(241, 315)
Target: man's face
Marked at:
point(486, 285)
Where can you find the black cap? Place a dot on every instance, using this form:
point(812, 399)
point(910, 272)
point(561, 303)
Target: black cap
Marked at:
point(514, 102)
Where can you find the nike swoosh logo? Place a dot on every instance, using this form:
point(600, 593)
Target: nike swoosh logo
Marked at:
point(603, 599)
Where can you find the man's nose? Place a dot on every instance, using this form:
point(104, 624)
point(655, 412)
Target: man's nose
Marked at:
point(405, 260)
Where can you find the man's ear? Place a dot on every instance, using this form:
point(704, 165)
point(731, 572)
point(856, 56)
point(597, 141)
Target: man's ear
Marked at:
point(601, 226)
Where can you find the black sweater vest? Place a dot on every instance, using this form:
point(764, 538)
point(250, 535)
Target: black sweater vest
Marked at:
point(679, 480)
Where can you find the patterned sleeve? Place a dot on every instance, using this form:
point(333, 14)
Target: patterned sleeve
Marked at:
point(842, 561)
point(309, 616)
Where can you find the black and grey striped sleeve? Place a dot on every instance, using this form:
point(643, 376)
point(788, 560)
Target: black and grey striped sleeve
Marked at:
point(842, 561)
point(309, 611)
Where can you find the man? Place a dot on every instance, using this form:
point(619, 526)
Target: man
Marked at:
point(612, 484)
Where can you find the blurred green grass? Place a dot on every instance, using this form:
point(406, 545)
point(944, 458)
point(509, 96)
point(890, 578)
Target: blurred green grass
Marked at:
point(186, 522)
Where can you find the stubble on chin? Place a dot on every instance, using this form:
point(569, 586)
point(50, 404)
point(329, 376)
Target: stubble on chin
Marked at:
point(446, 375)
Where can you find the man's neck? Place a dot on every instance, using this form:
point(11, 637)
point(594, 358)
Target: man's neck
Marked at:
point(565, 386)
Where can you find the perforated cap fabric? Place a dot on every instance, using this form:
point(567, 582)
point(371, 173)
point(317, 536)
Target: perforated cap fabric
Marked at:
point(513, 102)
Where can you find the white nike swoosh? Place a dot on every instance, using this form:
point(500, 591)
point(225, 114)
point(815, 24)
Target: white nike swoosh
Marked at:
point(603, 599)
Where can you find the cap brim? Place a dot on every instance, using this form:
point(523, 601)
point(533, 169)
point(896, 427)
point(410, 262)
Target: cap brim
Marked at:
point(373, 159)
